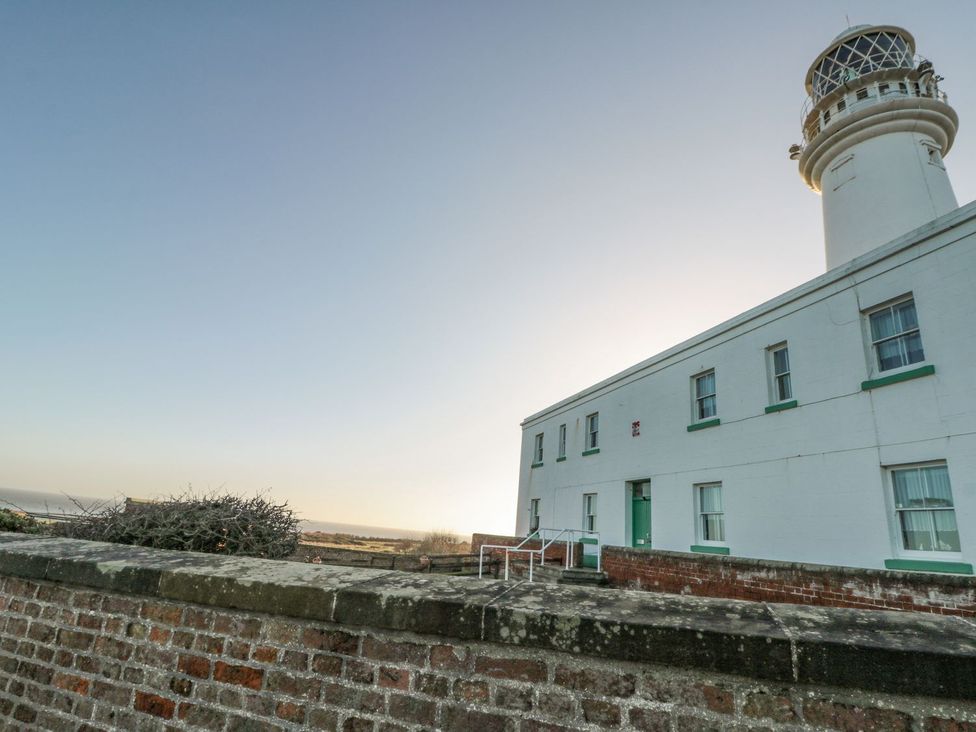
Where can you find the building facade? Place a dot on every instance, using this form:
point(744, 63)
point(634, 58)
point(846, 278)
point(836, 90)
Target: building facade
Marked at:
point(835, 424)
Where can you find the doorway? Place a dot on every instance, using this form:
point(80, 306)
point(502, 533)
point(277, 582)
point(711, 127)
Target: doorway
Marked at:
point(640, 514)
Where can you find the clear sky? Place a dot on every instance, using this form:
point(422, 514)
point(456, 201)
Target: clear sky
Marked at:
point(340, 250)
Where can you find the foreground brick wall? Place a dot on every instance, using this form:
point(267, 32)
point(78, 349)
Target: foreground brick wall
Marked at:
point(806, 584)
point(76, 659)
point(100, 637)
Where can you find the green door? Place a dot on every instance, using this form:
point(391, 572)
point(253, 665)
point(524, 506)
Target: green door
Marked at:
point(641, 515)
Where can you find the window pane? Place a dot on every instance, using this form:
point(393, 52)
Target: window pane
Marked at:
point(713, 527)
point(908, 489)
point(706, 407)
point(946, 534)
point(938, 492)
point(913, 347)
point(906, 316)
point(882, 325)
point(889, 354)
point(781, 361)
point(916, 530)
point(783, 387)
point(711, 498)
point(705, 385)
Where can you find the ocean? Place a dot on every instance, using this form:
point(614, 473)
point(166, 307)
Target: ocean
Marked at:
point(40, 502)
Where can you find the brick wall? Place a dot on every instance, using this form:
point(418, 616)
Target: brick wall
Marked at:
point(555, 553)
point(91, 638)
point(708, 575)
point(439, 563)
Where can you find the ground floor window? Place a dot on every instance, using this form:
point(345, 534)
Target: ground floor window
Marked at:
point(711, 516)
point(924, 510)
point(533, 515)
point(589, 511)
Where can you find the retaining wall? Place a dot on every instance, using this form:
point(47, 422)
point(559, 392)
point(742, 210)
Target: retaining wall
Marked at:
point(97, 636)
point(435, 563)
point(708, 575)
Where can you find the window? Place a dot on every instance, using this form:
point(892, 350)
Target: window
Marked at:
point(711, 518)
point(895, 337)
point(593, 431)
point(779, 362)
point(841, 105)
point(826, 117)
point(883, 89)
point(562, 441)
point(533, 515)
point(705, 396)
point(589, 511)
point(926, 518)
point(862, 94)
point(537, 455)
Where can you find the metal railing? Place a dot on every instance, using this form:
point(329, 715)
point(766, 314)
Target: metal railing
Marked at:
point(546, 538)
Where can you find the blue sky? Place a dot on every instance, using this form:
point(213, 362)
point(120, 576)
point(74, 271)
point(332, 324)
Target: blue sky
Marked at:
point(340, 250)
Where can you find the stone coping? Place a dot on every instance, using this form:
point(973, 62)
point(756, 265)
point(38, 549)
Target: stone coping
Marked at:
point(863, 573)
point(902, 653)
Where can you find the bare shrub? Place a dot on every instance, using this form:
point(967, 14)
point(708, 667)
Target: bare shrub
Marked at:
point(443, 542)
point(212, 522)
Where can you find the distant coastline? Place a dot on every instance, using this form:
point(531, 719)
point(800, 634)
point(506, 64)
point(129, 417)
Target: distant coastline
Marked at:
point(42, 502)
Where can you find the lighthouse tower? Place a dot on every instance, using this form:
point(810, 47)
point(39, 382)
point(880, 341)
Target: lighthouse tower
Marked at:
point(876, 129)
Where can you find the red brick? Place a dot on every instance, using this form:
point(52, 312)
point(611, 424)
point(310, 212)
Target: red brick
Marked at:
point(413, 709)
point(380, 650)
point(300, 686)
point(240, 675)
point(208, 644)
point(73, 639)
point(155, 705)
point(778, 707)
point(391, 677)
point(850, 718)
point(290, 712)
point(594, 681)
point(159, 635)
point(194, 666)
point(69, 682)
point(461, 719)
point(519, 669)
point(327, 665)
point(265, 654)
point(448, 658)
point(650, 720)
point(600, 712)
point(941, 724)
point(239, 649)
point(470, 690)
point(161, 612)
point(335, 641)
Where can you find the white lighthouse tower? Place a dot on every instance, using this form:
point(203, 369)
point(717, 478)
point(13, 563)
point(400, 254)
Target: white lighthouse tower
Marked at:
point(875, 131)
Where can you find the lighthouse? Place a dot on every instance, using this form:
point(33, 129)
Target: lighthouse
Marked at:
point(876, 130)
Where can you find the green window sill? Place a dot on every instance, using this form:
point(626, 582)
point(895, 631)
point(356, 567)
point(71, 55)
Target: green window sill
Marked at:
point(594, 451)
point(781, 406)
point(537, 465)
point(926, 565)
point(895, 378)
point(588, 540)
point(704, 425)
point(559, 460)
point(701, 549)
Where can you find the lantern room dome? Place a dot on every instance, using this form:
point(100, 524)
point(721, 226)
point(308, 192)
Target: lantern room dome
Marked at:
point(858, 51)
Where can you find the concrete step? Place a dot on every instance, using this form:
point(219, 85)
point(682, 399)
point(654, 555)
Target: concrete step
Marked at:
point(582, 576)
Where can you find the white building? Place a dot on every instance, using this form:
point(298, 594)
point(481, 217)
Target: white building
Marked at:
point(835, 424)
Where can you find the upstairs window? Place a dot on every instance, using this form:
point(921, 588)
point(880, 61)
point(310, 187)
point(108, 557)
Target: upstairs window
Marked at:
point(705, 407)
point(593, 431)
point(895, 337)
point(779, 365)
point(562, 441)
point(924, 510)
point(537, 453)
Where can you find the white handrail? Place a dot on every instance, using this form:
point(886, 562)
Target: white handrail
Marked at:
point(545, 542)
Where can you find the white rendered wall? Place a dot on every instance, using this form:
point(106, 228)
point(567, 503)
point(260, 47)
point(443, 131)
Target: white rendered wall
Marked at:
point(880, 189)
point(806, 484)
